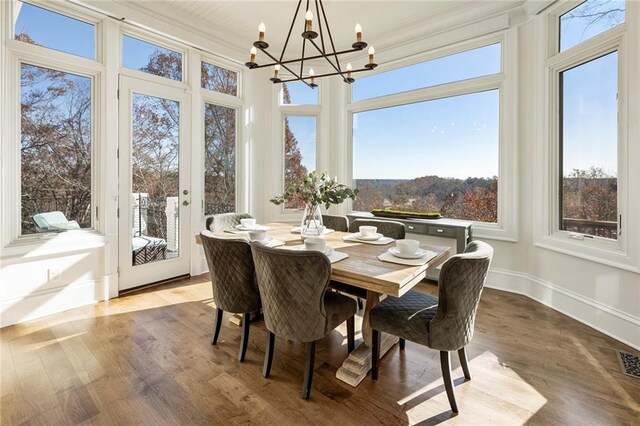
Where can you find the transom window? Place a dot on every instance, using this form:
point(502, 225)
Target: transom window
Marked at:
point(589, 19)
point(150, 58)
point(298, 93)
point(36, 25)
point(219, 79)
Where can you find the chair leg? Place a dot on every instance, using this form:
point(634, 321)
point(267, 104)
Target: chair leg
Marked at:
point(216, 326)
point(244, 341)
point(308, 371)
point(360, 304)
point(375, 353)
point(463, 363)
point(445, 363)
point(402, 343)
point(268, 354)
point(351, 332)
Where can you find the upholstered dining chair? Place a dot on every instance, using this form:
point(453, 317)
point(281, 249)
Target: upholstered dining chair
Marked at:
point(296, 303)
point(444, 323)
point(233, 282)
point(337, 223)
point(388, 228)
point(225, 221)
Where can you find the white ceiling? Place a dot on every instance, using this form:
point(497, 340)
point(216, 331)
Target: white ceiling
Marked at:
point(385, 23)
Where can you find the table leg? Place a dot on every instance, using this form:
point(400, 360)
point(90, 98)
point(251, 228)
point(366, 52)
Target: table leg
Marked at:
point(358, 363)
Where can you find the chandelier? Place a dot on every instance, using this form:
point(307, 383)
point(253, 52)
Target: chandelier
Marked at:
point(325, 49)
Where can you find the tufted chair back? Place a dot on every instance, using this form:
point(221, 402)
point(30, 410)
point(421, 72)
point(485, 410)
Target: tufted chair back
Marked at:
point(292, 287)
point(460, 286)
point(232, 273)
point(225, 221)
point(337, 223)
point(387, 228)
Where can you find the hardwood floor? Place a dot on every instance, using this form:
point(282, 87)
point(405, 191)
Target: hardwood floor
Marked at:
point(146, 358)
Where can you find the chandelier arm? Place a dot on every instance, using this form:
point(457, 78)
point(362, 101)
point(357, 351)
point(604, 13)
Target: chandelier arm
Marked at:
point(324, 15)
point(293, 61)
point(293, 21)
point(328, 60)
point(320, 27)
point(299, 77)
point(321, 75)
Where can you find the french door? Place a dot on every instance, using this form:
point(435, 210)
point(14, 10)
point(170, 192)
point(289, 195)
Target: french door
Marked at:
point(154, 184)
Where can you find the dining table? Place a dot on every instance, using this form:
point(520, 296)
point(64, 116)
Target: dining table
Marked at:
point(363, 269)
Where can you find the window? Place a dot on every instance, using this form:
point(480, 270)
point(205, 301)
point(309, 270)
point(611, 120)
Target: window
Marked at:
point(588, 20)
point(143, 56)
point(299, 151)
point(298, 93)
point(452, 144)
point(56, 139)
point(588, 147)
point(219, 79)
point(43, 27)
point(460, 66)
point(220, 159)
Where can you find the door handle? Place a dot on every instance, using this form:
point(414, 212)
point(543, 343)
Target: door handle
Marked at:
point(185, 203)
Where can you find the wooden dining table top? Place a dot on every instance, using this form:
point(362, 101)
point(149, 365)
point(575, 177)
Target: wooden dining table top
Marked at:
point(362, 268)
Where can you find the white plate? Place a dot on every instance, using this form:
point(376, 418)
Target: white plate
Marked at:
point(327, 250)
point(374, 237)
point(255, 228)
point(417, 255)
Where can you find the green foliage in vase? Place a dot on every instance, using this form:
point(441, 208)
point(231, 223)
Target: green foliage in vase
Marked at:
point(316, 189)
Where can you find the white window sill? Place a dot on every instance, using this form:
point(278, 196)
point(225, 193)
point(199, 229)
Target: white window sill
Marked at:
point(47, 244)
point(604, 252)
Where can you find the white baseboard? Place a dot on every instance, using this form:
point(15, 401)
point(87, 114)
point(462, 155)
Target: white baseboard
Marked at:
point(52, 301)
point(610, 321)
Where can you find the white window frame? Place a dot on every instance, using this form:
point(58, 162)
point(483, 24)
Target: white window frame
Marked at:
point(17, 53)
point(506, 227)
point(621, 252)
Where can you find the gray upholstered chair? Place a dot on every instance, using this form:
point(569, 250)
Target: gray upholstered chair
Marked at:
point(233, 281)
point(296, 303)
point(388, 228)
point(444, 323)
point(225, 221)
point(337, 223)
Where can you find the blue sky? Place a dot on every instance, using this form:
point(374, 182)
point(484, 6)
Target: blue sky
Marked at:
point(454, 137)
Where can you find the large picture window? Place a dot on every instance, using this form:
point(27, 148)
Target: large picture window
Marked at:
point(220, 159)
point(434, 156)
point(299, 151)
point(56, 139)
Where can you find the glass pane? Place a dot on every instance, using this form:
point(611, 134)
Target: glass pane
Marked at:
point(55, 155)
point(154, 195)
point(299, 151)
point(438, 156)
point(589, 19)
point(219, 159)
point(461, 66)
point(219, 79)
point(49, 29)
point(298, 93)
point(151, 58)
point(589, 137)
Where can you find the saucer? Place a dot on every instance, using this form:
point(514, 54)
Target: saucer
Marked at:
point(254, 228)
point(417, 255)
point(374, 237)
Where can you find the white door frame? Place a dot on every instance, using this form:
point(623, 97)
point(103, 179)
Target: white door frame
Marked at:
point(134, 276)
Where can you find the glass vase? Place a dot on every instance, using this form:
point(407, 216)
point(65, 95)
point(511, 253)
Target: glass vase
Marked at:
point(311, 225)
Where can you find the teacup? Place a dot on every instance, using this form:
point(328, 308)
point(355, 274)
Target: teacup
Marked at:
point(407, 246)
point(257, 234)
point(368, 231)
point(314, 243)
point(248, 223)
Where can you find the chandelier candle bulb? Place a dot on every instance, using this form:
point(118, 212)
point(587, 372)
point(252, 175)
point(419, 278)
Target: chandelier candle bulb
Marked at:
point(276, 68)
point(358, 33)
point(309, 19)
point(253, 52)
point(312, 73)
point(261, 30)
point(371, 53)
point(349, 68)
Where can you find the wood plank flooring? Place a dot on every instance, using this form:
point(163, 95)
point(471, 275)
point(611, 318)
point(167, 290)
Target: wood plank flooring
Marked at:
point(145, 358)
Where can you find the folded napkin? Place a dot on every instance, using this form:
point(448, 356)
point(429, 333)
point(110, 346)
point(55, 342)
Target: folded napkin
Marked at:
point(388, 257)
point(271, 242)
point(382, 241)
point(296, 230)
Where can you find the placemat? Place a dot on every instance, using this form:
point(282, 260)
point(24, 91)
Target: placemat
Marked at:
point(381, 242)
point(388, 257)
